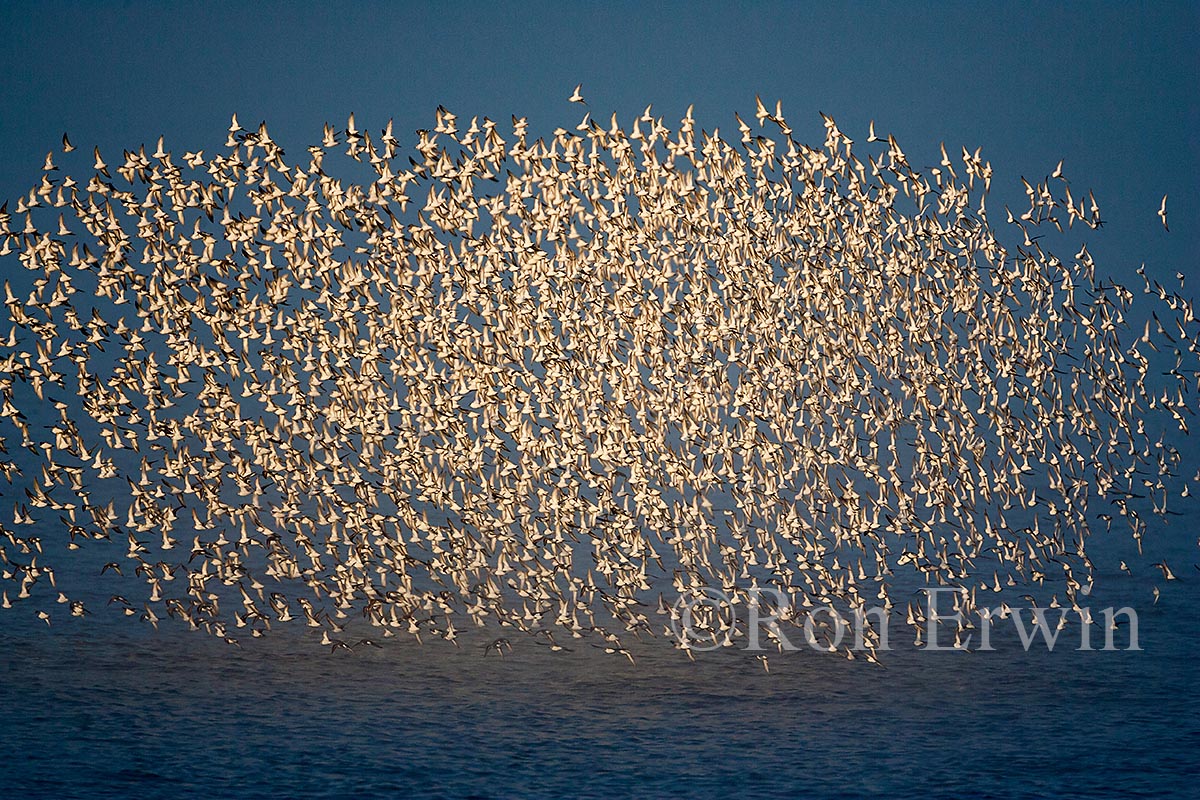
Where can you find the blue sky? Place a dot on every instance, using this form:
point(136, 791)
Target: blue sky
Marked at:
point(1116, 94)
point(1111, 89)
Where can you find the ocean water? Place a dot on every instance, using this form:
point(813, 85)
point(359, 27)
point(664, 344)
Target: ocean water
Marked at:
point(109, 708)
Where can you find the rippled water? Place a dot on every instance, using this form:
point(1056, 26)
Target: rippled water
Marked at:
point(115, 710)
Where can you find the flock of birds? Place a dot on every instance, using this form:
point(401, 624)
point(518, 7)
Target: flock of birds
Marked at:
point(548, 384)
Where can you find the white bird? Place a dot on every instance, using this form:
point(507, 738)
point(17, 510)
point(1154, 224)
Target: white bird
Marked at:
point(501, 383)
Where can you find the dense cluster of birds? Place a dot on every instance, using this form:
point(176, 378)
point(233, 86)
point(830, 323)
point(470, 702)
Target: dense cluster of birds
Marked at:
point(552, 383)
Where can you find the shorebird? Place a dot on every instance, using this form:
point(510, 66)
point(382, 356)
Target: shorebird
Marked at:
point(539, 384)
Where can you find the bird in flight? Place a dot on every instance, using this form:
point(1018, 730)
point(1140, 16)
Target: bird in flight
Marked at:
point(663, 358)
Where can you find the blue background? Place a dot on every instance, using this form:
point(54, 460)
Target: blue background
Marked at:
point(110, 710)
